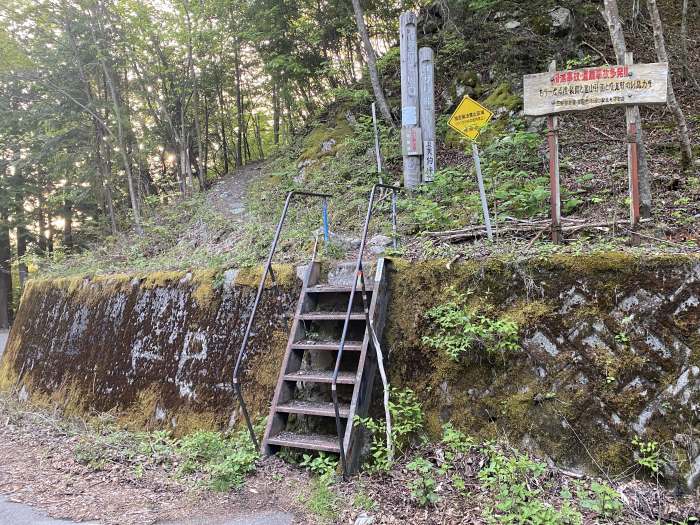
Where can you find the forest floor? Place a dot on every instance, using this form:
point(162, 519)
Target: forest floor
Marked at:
point(44, 469)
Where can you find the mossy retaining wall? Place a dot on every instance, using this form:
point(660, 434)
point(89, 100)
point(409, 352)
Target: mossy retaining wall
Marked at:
point(610, 350)
point(158, 349)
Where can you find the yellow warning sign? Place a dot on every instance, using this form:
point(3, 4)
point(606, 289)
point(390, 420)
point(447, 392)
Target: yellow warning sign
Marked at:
point(469, 118)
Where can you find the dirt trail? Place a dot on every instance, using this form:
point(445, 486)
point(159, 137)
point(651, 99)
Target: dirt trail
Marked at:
point(45, 479)
point(228, 194)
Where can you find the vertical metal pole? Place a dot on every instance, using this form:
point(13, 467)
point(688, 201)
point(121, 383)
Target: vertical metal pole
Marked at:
point(632, 161)
point(482, 191)
point(409, 92)
point(427, 111)
point(377, 149)
point(393, 219)
point(326, 234)
point(554, 186)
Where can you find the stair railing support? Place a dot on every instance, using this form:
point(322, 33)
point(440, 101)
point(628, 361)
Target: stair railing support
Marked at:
point(359, 275)
point(258, 296)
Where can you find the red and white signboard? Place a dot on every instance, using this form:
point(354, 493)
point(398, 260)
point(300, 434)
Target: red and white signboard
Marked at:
point(582, 89)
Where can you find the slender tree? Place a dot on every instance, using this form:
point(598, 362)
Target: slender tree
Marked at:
point(673, 105)
point(371, 59)
point(611, 15)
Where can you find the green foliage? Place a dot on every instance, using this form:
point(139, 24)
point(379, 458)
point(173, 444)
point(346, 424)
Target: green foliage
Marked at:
point(322, 465)
point(515, 480)
point(362, 501)
point(575, 63)
point(601, 499)
point(460, 329)
point(226, 459)
point(322, 501)
point(649, 454)
point(423, 487)
point(406, 420)
point(482, 5)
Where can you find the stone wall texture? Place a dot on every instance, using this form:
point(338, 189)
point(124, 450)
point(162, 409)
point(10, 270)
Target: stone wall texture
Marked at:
point(160, 348)
point(609, 351)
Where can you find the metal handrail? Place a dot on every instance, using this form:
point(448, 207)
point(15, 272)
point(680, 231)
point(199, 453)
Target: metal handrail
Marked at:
point(261, 287)
point(359, 273)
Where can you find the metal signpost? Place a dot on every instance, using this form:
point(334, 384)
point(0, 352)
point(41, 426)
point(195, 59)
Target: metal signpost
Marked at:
point(468, 120)
point(628, 85)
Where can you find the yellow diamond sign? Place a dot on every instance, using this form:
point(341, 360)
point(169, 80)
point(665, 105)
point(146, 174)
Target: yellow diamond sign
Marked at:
point(469, 118)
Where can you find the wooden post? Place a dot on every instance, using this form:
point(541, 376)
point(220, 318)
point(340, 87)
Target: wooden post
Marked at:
point(555, 190)
point(631, 113)
point(482, 191)
point(427, 111)
point(377, 150)
point(409, 94)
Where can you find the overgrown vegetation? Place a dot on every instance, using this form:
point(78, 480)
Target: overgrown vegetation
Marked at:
point(219, 461)
point(406, 421)
point(462, 329)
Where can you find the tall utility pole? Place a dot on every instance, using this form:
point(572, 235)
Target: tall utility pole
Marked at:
point(409, 98)
point(427, 111)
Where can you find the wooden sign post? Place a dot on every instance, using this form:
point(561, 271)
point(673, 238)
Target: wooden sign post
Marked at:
point(410, 123)
point(555, 189)
point(377, 149)
point(426, 75)
point(626, 85)
point(632, 160)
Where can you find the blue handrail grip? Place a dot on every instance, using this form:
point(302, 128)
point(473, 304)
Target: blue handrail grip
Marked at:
point(326, 233)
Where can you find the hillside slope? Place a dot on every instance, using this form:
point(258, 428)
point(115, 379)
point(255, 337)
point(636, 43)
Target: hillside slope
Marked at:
point(484, 56)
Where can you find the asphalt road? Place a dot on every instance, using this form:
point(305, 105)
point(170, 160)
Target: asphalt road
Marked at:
point(19, 514)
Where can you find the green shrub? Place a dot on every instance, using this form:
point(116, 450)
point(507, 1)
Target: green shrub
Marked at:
point(460, 329)
point(423, 487)
point(406, 420)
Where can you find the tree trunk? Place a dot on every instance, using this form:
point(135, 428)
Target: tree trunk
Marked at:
point(68, 225)
point(611, 15)
point(41, 226)
point(51, 231)
point(371, 63)
point(276, 106)
point(687, 73)
point(21, 233)
point(206, 134)
point(673, 105)
point(195, 95)
point(224, 141)
point(105, 172)
point(239, 106)
point(258, 137)
point(116, 105)
point(5, 269)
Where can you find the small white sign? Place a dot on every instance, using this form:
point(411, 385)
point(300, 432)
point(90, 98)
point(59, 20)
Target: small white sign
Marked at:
point(409, 116)
point(428, 160)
